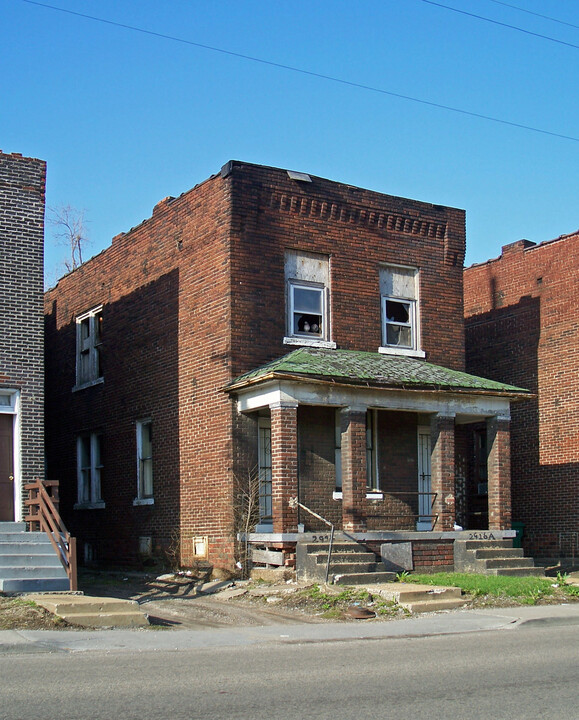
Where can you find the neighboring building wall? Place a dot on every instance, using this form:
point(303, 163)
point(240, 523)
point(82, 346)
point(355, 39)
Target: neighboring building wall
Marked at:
point(522, 328)
point(22, 198)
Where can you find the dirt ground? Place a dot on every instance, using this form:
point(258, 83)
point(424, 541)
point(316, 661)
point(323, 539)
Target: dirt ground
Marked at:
point(187, 602)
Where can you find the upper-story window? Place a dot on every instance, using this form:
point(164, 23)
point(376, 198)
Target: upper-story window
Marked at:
point(307, 278)
point(88, 347)
point(400, 311)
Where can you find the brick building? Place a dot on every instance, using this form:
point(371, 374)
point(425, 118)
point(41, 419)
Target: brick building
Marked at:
point(275, 331)
point(22, 185)
point(522, 327)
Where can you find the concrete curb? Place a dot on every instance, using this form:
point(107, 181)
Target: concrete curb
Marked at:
point(448, 623)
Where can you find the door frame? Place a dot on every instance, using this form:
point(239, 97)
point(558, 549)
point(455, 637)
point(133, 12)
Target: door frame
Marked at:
point(10, 405)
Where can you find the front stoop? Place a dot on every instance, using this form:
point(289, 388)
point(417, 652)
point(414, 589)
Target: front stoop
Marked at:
point(92, 611)
point(422, 598)
point(28, 562)
point(351, 563)
point(493, 557)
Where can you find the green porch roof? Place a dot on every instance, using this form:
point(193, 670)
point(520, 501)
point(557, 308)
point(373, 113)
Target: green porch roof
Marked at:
point(352, 367)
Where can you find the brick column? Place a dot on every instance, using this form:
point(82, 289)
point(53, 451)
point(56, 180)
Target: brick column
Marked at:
point(499, 472)
point(442, 471)
point(353, 421)
point(284, 465)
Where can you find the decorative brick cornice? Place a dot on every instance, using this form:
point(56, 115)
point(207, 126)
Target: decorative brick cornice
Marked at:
point(355, 215)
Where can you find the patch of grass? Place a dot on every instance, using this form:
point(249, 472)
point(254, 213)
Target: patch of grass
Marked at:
point(527, 590)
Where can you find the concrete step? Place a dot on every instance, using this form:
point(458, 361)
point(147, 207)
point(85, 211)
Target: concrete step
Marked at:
point(12, 527)
point(93, 611)
point(480, 544)
point(343, 568)
point(433, 605)
point(424, 593)
point(489, 553)
point(519, 571)
point(16, 538)
point(357, 557)
point(43, 559)
point(34, 585)
point(33, 572)
point(337, 547)
point(521, 562)
point(364, 578)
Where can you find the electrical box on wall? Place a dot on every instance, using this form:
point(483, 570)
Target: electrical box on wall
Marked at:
point(200, 546)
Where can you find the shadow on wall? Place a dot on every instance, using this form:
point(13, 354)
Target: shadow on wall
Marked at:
point(140, 367)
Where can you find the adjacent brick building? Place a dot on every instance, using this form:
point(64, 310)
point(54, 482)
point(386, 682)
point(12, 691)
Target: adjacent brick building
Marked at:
point(22, 187)
point(274, 331)
point(522, 327)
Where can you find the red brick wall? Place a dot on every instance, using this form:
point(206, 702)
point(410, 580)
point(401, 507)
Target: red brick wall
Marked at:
point(522, 327)
point(164, 287)
point(357, 229)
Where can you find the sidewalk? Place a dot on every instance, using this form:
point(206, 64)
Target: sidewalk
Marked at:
point(453, 622)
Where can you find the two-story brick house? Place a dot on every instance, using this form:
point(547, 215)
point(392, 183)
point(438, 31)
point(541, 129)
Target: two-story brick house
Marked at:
point(522, 327)
point(278, 326)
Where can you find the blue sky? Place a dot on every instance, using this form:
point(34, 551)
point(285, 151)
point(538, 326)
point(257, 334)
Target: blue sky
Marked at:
point(125, 118)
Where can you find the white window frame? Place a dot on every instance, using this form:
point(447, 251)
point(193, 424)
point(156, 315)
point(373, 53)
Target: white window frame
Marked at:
point(143, 497)
point(89, 494)
point(413, 323)
point(316, 337)
point(88, 347)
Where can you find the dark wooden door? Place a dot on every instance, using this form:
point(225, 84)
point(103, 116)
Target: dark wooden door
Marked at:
point(6, 468)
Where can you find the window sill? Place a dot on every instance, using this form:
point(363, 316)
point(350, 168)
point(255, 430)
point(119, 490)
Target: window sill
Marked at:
point(91, 383)
point(98, 505)
point(143, 501)
point(309, 342)
point(374, 495)
point(402, 351)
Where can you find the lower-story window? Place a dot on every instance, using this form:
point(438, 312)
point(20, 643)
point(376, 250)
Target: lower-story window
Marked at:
point(89, 470)
point(144, 461)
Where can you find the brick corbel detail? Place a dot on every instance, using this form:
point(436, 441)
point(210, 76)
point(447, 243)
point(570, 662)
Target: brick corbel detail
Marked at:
point(284, 465)
point(499, 472)
point(442, 471)
point(353, 423)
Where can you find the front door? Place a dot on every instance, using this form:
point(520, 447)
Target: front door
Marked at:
point(424, 498)
point(6, 468)
point(265, 495)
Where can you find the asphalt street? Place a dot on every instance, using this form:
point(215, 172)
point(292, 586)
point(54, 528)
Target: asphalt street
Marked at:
point(506, 664)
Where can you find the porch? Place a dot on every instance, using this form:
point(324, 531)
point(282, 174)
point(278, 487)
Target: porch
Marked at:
point(375, 443)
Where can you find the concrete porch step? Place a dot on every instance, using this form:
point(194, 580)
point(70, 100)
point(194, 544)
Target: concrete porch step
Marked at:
point(490, 553)
point(519, 571)
point(93, 611)
point(521, 562)
point(349, 557)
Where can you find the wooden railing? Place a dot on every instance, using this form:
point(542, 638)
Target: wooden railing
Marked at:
point(43, 515)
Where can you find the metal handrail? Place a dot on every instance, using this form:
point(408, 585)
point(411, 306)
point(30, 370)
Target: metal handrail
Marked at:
point(293, 503)
point(47, 518)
